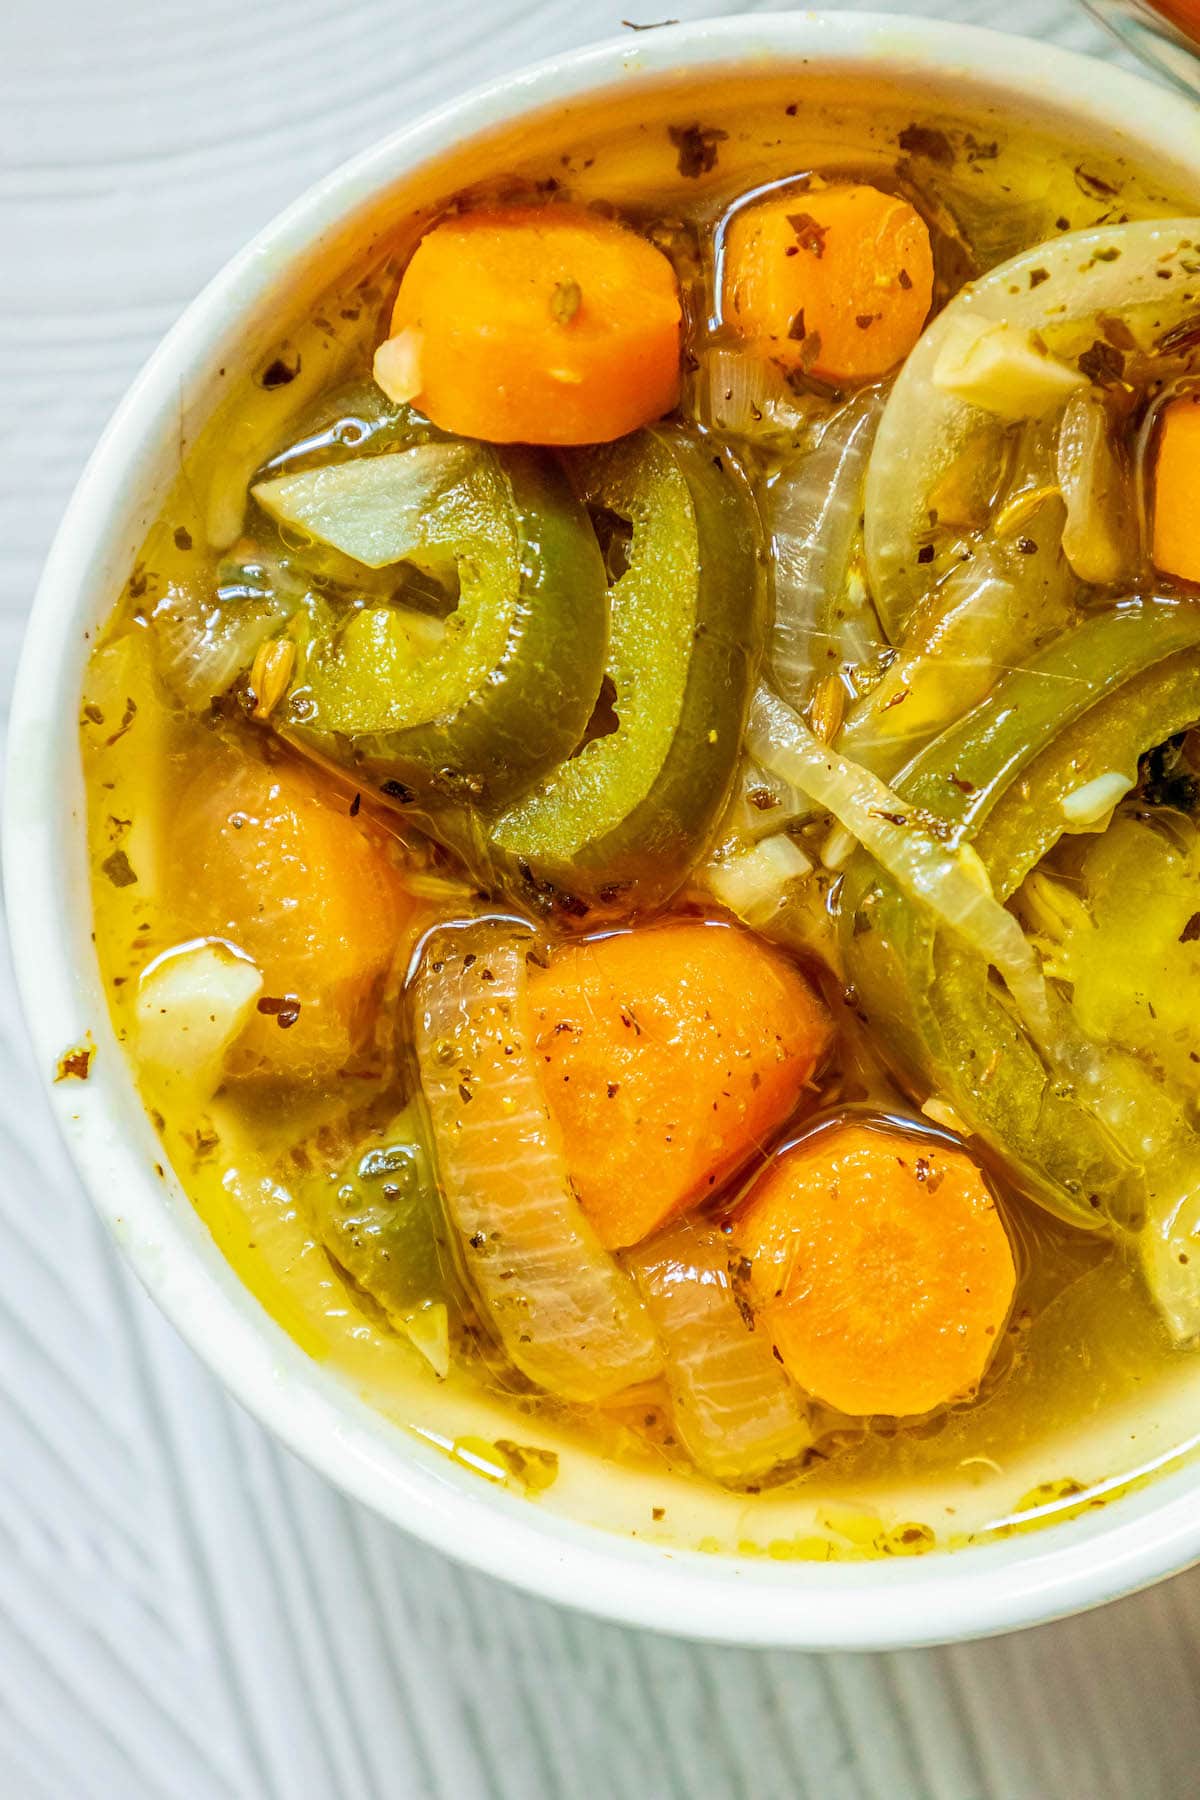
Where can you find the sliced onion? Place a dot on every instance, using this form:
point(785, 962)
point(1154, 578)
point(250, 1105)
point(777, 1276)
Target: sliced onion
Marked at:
point(372, 508)
point(943, 881)
point(813, 515)
point(566, 1314)
point(736, 1413)
point(1099, 539)
point(1054, 289)
point(753, 883)
point(202, 646)
point(987, 616)
point(742, 393)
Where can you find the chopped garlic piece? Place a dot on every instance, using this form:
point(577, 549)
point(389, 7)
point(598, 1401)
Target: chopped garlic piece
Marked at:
point(838, 848)
point(1002, 370)
point(397, 366)
point(751, 882)
point(1088, 806)
point(192, 1003)
point(945, 1116)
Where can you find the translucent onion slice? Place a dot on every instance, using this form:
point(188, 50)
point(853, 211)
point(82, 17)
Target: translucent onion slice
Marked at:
point(1099, 539)
point(566, 1314)
point(744, 394)
point(988, 615)
point(952, 885)
point(813, 514)
point(373, 507)
point(1138, 271)
point(202, 647)
point(736, 1413)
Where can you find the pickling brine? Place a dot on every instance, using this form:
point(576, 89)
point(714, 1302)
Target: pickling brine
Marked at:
point(644, 801)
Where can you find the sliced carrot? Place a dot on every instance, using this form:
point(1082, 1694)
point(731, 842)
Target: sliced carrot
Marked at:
point(545, 325)
point(268, 857)
point(837, 280)
point(669, 1054)
point(880, 1267)
point(1177, 490)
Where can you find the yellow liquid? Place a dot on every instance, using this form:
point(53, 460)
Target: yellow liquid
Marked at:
point(1087, 1393)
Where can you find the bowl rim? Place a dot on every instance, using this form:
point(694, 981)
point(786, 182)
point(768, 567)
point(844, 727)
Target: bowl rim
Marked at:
point(945, 1596)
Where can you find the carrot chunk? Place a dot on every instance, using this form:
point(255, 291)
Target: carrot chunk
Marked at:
point(880, 1267)
point(668, 1055)
point(1177, 490)
point(837, 280)
point(268, 857)
point(544, 325)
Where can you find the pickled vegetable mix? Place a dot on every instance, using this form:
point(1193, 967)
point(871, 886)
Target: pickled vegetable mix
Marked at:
point(644, 808)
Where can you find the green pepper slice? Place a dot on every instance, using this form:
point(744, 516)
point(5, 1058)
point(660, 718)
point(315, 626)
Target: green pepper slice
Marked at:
point(474, 707)
point(633, 808)
point(1117, 684)
point(379, 1218)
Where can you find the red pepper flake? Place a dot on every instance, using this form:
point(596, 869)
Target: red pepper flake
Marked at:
point(1191, 931)
point(76, 1064)
point(963, 786)
point(284, 1010)
point(864, 321)
point(904, 279)
point(355, 804)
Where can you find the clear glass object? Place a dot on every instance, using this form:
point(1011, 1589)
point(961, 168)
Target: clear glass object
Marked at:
point(1164, 32)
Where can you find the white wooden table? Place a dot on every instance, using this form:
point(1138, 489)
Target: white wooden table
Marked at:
point(185, 1612)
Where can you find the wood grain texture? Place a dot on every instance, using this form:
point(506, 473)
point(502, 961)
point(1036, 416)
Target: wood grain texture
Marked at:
point(185, 1612)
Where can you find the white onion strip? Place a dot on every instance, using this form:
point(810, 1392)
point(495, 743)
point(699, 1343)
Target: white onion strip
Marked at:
point(813, 513)
point(1140, 272)
point(736, 1413)
point(566, 1314)
point(945, 882)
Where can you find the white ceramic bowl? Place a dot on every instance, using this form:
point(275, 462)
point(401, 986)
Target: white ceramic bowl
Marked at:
point(1030, 1577)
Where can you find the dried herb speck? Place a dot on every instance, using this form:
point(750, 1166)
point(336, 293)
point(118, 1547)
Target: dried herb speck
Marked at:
point(809, 234)
point(117, 868)
point(1093, 185)
point(697, 147)
point(396, 790)
point(1102, 363)
point(285, 1009)
point(927, 141)
point(279, 372)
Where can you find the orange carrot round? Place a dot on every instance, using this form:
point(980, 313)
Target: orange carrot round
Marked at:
point(835, 280)
point(880, 1267)
point(1177, 490)
point(268, 857)
point(668, 1055)
point(544, 325)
